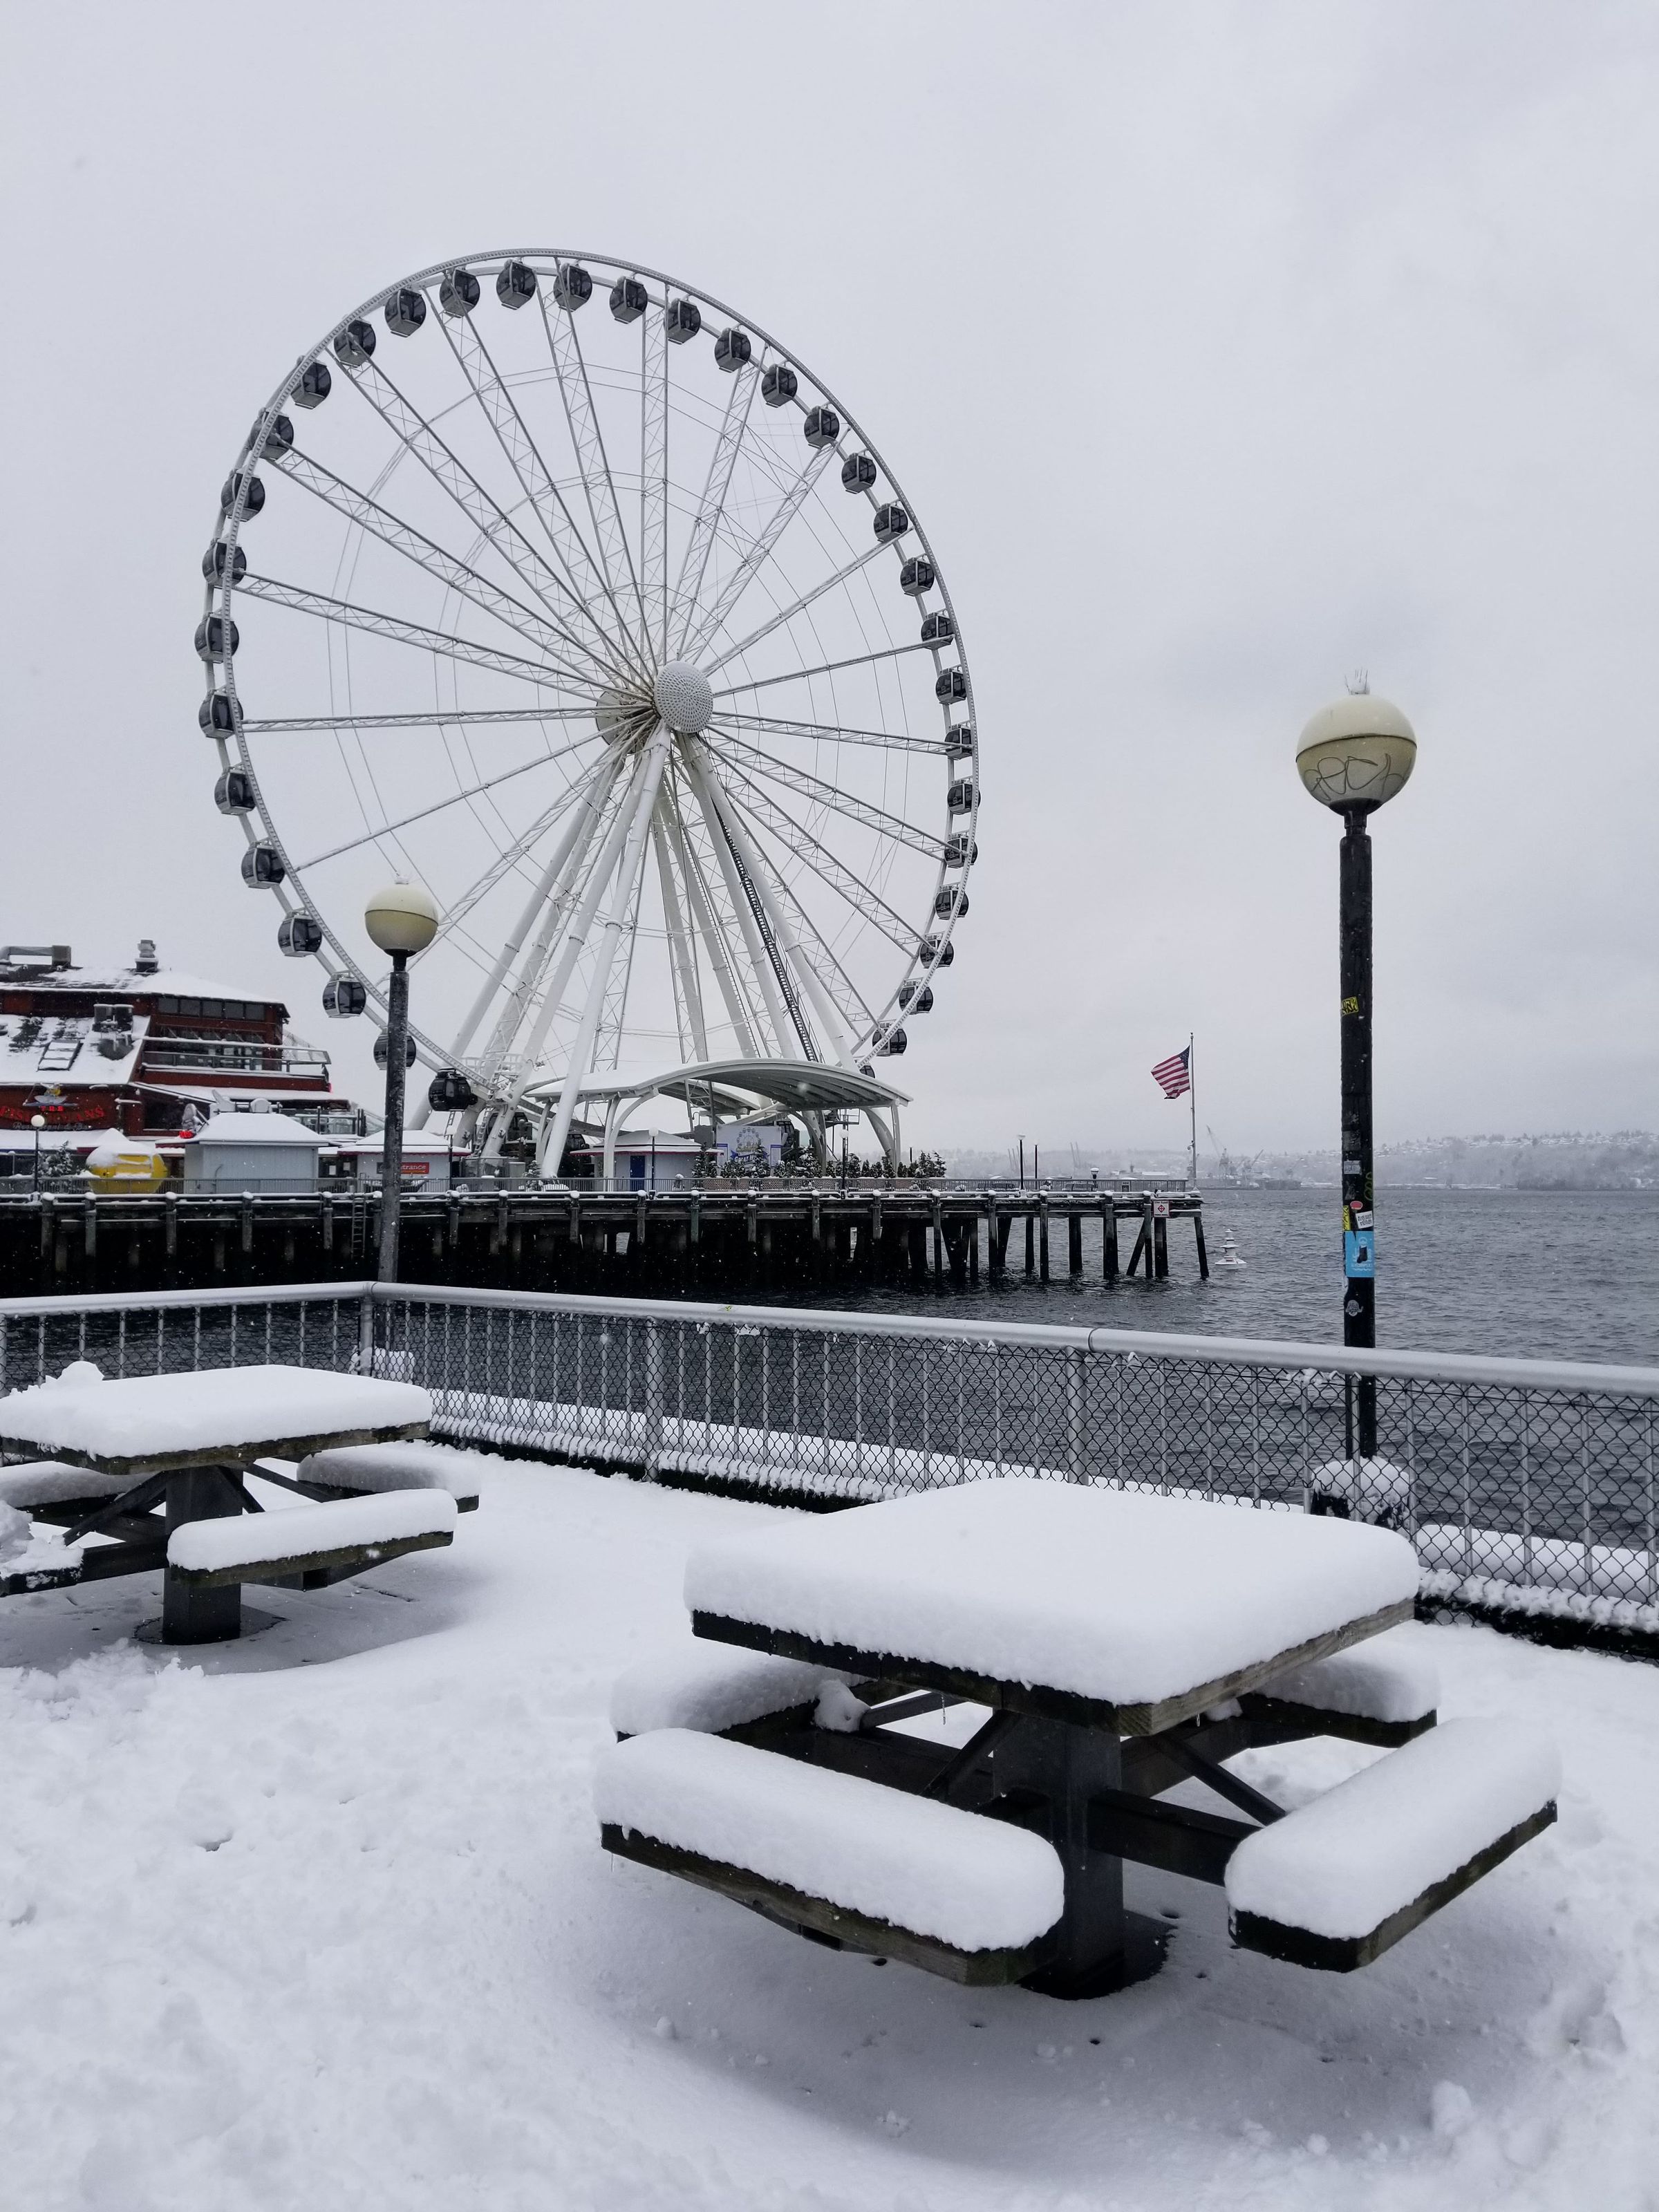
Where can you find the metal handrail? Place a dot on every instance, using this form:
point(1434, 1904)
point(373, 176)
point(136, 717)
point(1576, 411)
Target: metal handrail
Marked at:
point(1468, 1369)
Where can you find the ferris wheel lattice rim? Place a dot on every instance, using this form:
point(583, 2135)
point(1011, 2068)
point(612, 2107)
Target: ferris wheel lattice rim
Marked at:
point(744, 834)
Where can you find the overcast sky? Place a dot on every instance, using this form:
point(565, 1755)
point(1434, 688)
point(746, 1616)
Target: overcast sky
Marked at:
point(1223, 350)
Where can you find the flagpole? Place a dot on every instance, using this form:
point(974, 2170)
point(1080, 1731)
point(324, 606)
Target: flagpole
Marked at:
point(1192, 1099)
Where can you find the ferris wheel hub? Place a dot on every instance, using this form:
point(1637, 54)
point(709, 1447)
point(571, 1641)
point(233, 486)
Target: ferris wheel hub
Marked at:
point(685, 697)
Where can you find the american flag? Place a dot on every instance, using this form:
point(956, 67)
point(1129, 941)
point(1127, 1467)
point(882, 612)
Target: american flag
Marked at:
point(1172, 1076)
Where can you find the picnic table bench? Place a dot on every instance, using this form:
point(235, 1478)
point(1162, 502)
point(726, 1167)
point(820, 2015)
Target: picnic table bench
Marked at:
point(1123, 1645)
point(155, 1469)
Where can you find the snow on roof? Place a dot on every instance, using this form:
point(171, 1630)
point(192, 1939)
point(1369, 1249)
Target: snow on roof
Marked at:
point(170, 982)
point(48, 1049)
point(256, 1129)
point(415, 1140)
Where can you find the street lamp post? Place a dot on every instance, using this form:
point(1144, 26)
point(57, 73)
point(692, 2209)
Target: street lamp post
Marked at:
point(400, 919)
point(37, 1122)
point(1353, 756)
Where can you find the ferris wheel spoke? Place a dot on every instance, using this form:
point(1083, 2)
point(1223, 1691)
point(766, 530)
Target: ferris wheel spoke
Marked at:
point(841, 575)
point(534, 905)
point(825, 668)
point(833, 733)
point(615, 560)
point(756, 555)
point(866, 903)
point(653, 482)
point(555, 638)
point(408, 633)
point(547, 502)
point(416, 434)
point(439, 718)
point(581, 875)
point(438, 806)
point(376, 624)
point(828, 794)
point(508, 859)
point(711, 507)
point(741, 1008)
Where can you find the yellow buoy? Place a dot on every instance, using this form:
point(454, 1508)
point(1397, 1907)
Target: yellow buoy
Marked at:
point(129, 1164)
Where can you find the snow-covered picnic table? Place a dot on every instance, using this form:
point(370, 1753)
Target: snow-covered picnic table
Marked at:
point(1122, 1644)
point(151, 1472)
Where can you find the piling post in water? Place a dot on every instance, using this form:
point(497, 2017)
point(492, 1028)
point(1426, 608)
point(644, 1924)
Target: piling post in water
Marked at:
point(1109, 1239)
point(1074, 1243)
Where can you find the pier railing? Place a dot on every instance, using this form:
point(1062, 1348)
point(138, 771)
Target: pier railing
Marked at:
point(1527, 1485)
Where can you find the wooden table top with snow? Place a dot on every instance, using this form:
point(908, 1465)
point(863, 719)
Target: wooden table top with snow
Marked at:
point(1102, 1607)
point(147, 1423)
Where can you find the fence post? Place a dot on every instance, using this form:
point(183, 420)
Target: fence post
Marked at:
point(654, 1399)
point(366, 1331)
point(1074, 1416)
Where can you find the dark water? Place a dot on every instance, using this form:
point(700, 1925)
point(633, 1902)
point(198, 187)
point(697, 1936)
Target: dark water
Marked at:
point(1542, 1275)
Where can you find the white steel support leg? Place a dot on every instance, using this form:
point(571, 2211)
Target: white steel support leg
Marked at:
point(737, 1008)
point(782, 1029)
point(612, 1117)
point(565, 888)
point(652, 762)
point(575, 937)
point(695, 1034)
point(580, 829)
point(825, 1005)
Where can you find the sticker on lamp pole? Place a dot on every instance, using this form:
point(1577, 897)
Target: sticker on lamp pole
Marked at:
point(1358, 1254)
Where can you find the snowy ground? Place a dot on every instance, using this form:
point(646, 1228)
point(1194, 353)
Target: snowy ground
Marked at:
point(324, 1919)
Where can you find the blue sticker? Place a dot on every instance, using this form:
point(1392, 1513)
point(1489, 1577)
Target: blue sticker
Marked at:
point(1358, 1253)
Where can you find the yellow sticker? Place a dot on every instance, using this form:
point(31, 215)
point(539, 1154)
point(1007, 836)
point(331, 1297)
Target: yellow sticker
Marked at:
point(1350, 1006)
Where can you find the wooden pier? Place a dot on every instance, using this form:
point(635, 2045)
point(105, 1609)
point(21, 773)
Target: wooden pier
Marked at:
point(711, 1240)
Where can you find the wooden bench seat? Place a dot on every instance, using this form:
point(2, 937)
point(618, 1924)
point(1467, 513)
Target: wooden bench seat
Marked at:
point(716, 1689)
point(832, 1855)
point(1337, 1882)
point(360, 1470)
point(1369, 1693)
point(311, 1544)
point(54, 1484)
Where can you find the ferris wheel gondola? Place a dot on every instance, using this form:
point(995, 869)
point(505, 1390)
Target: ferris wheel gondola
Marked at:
point(575, 596)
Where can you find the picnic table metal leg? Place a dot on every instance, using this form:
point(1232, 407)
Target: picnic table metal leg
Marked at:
point(1100, 1947)
point(200, 1616)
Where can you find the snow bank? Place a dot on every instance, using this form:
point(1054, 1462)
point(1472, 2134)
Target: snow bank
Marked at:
point(973, 1883)
point(414, 1465)
point(226, 1406)
point(254, 1539)
point(693, 1684)
point(1344, 1863)
point(1541, 1562)
point(14, 1532)
point(1377, 1680)
point(1118, 1596)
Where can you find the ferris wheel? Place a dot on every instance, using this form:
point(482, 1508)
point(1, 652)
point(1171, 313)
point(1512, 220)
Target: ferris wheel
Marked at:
point(562, 588)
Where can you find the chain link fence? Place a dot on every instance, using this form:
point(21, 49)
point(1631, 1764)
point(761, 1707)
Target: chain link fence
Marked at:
point(1524, 1485)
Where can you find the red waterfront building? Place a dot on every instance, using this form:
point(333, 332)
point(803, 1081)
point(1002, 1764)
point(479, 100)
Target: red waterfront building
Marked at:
point(148, 1051)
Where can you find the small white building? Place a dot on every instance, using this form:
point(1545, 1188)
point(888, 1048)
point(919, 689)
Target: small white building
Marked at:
point(645, 1159)
point(428, 1161)
point(260, 1152)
